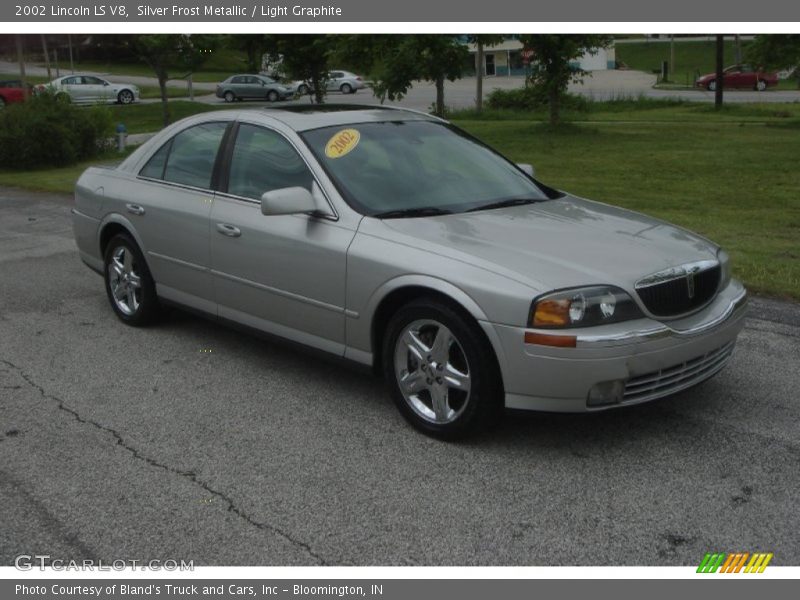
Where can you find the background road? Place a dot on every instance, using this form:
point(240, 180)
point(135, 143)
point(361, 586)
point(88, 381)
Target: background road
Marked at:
point(188, 440)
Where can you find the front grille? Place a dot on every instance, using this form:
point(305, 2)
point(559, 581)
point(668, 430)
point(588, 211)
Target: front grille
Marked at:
point(679, 377)
point(679, 296)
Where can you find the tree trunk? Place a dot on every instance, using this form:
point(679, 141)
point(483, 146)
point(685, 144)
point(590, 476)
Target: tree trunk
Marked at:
point(554, 102)
point(46, 57)
point(479, 79)
point(21, 59)
point(440, 96)
point(719, 78)
point(319, 90)
point(162, 86)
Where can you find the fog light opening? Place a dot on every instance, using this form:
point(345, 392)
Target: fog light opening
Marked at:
point(606, 392)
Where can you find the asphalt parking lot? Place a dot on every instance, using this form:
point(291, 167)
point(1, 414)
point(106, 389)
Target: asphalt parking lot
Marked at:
point(191, 441)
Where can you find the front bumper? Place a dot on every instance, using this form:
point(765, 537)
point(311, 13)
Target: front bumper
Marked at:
point(642, 360)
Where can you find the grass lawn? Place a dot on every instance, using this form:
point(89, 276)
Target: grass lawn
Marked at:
point(732, 176)
point(153, 91)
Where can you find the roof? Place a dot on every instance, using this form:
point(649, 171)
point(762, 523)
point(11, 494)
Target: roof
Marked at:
point(314, 116)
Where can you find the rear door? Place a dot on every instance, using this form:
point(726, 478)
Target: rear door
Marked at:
point(171, 208)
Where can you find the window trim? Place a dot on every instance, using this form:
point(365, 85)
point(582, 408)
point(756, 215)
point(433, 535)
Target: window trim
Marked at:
point(225, 168)
point(215, 169)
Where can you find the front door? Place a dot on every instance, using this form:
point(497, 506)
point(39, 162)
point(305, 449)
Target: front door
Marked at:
point(281, 274)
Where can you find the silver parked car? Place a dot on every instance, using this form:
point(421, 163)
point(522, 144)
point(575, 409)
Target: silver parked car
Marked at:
point(395, 240)
point(89, 89)
point(252, 87)
point(337, 81)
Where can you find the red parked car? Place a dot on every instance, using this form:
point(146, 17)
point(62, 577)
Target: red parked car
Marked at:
point(12, 91)
point(739, 76)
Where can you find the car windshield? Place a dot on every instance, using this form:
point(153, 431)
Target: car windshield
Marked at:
point(417, 168)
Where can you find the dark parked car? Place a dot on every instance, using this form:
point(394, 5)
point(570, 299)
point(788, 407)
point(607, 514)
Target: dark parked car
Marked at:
point(260, 87)
point(739, 76)
point(12, 91)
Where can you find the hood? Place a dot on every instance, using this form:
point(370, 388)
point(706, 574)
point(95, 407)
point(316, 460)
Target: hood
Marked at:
point(554, 244)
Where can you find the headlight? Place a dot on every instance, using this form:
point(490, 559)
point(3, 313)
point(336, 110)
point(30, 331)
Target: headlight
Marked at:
point(583, 307)
point(725, 268)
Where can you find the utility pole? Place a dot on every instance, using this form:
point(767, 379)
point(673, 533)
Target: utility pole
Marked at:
point(71, 63)
point(720, 77)
point(672, 57)
point(46, 56)
point(738, 46)
point(479, 75)
point(21, 59)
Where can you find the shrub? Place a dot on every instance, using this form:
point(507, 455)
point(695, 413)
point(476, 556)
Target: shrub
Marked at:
point(46, 132)
point(530, 99)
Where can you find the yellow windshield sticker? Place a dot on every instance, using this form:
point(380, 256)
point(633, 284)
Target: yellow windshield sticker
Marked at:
point(342, 142)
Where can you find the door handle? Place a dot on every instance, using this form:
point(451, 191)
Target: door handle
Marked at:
point(229, 230)
point(134, 209)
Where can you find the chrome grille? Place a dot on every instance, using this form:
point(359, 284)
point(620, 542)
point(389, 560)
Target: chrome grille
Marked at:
point(679, 377)
point(681, 294)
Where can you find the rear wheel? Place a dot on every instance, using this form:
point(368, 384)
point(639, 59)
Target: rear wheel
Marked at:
point(129, 285)
point(712, 85)
point(346, 88)
point(2, 102)
point(441, 370)
point(272, 96)
point(63, 97)
point(125, 97)
point(229, 96)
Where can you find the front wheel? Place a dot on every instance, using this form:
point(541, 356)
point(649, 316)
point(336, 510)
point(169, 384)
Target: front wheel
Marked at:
point(712, 85)
point(303, 89)
point(2, 102)
point(129, 285)
point(229, 96)
point(761, 85)
point(441, 370)
point(125, 97)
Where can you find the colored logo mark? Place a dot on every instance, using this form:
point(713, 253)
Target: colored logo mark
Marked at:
point(734, 562)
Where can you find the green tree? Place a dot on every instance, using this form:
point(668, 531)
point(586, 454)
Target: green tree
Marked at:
point(776, 51)
point(395, 62)
point(481, 41)
point(305, 57)
point(165, 52)
point(254, 46)
point(553, 56)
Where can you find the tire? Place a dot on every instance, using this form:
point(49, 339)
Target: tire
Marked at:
point(134, 301)
point(761, 85)
point(272, 96)
point(229, 96)
point(346, 88)
point(451, 390)
point(64, 97)
point(303, 89)
point(711, 86)
point(125, 97)
point(2, 103)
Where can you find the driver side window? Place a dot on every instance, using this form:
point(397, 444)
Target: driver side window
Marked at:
point(264, 160)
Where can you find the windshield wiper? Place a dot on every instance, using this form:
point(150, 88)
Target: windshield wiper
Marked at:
point(422, 211)
point(504, 203)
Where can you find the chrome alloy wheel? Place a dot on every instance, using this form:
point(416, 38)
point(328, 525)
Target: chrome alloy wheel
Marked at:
point(432, 371)
point(125, 281)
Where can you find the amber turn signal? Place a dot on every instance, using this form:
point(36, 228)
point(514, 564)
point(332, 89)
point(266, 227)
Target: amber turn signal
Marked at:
point(545, 339)
point(551, 312)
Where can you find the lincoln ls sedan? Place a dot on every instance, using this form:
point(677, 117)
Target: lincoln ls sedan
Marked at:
point(393, 239)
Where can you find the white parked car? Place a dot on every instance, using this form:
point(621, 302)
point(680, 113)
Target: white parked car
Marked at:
point(85, 89)
point(338, 81)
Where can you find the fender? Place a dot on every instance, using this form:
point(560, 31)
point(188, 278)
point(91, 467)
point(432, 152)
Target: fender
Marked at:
point(359, 326)
point(119, 220)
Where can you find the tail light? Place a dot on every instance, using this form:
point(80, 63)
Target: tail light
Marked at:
point(358, 78)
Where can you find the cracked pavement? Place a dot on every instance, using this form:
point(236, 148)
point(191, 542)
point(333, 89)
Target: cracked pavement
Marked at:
point(122, 443)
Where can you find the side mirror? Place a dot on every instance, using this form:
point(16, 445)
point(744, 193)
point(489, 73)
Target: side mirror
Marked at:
point(288, 201)
point(106, 83)
point(527, 169)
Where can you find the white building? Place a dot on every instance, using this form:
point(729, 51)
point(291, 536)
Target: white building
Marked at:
point(506, 59)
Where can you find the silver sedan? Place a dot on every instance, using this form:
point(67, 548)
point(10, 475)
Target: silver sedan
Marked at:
point(393, 239)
